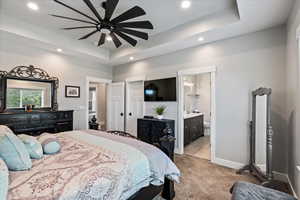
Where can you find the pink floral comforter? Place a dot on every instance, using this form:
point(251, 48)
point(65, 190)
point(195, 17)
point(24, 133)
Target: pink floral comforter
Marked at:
point(78, 172)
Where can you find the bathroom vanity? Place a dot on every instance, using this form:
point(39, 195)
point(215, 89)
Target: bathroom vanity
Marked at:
point(193, 127)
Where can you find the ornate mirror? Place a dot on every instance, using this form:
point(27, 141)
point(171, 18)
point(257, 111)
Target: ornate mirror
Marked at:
point(27, 86)
point(260, 164)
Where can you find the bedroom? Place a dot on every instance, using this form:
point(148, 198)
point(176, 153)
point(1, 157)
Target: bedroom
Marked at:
point(248, 45)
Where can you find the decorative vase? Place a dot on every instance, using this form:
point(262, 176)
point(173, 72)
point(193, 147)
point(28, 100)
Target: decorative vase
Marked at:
point(160, 117)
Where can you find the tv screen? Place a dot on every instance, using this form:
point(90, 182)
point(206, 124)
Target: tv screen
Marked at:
point(160, 90)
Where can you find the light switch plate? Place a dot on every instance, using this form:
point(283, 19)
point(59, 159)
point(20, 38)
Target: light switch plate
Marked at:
point(298, 167)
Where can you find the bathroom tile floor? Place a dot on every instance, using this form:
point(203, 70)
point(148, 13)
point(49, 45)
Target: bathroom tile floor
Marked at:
point(199, 148)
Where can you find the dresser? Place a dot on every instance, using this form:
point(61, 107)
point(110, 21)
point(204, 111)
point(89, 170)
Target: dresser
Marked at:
point(37, 122)
point(152, 130)
point(160, 133)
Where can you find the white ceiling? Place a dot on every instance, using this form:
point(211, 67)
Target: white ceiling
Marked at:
point(175, 28)
point(164, 14)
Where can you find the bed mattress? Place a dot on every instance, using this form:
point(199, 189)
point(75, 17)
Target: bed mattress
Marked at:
point(93, 165)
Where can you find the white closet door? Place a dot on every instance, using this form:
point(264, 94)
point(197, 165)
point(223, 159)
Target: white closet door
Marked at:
point(134, 105)
point(116, 106)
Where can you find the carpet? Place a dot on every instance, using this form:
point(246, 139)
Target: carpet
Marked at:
point(202, 180)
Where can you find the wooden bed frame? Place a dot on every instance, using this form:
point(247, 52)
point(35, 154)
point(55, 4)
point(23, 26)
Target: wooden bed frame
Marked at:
point(150, 192)
point(31, 73)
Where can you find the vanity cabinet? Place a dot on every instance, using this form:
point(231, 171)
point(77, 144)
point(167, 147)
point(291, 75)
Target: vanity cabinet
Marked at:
point(193, 129)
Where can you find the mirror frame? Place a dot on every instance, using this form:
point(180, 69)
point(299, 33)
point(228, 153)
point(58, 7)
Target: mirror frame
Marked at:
point(268, 176)
point(27, 73)
point(269, 133)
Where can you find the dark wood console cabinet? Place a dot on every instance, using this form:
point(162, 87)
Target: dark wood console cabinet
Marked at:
point(153, 131)
point(37, 122)
point(193, 129)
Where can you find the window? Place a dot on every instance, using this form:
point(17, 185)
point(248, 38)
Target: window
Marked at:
point(18, 97)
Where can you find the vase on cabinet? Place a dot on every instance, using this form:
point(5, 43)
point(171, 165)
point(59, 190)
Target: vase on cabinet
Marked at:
point(160, 117)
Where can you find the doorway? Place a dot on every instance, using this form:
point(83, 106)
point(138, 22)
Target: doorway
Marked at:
point(197, 114)
point(98, 104)
point(97, 101)
point(197, 117)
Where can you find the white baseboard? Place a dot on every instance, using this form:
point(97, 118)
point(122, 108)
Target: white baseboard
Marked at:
point(227, 163)
point(176, 151)
point(292, 187)
point(236, 165)
point(285, 178)
point(281, 177)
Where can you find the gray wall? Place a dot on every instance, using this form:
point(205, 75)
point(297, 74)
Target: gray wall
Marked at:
point(293, 98)
point(69, 70)
point(244, 64)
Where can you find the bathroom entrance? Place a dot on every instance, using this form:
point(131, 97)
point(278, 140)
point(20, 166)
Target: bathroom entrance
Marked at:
point(197, 112)
point(197, 115)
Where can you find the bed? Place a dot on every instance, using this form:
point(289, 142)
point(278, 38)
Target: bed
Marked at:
point(95, 165)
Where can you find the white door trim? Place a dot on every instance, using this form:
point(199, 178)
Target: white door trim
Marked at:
point(87, 85)
point(135, 78)
point(192, 71)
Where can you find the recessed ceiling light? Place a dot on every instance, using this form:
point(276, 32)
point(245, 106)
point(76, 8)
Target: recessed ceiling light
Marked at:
point(186, 4)
point(200, 39)
point(59, 50)
point(131, 58)
point(32, 6)
point(108, 38)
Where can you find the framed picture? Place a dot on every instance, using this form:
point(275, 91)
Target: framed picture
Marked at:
point(72, 91)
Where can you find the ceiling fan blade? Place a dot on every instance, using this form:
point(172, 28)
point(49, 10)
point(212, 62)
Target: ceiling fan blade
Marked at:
point(88, 35)
point(115, 39)
point(135, 33)
point(93, 9)
point(130, 40)
point(130, 14)
point(79, 27)
point(75, 10)
point(110, 8)
point(102, 39)
point(74, 19)
point(137, 24)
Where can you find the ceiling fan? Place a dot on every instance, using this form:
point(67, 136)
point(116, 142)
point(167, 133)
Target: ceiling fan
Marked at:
point(115, 28)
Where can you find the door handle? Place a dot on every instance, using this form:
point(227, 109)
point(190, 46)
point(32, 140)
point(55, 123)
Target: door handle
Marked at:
point(122, 114)
point(130, 114)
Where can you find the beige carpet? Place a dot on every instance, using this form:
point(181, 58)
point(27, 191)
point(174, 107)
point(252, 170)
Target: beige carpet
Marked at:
point(202, 180)
point(199, 148)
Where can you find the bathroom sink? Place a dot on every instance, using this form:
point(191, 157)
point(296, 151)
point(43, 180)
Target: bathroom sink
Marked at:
point(191, 115)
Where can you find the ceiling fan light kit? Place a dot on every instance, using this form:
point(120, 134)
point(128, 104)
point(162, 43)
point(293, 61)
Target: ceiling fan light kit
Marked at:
point(116, 28)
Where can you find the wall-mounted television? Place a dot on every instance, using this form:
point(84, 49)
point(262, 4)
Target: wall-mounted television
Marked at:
point(160, 90)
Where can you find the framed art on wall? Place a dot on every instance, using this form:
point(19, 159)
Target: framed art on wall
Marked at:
point(72, 91)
